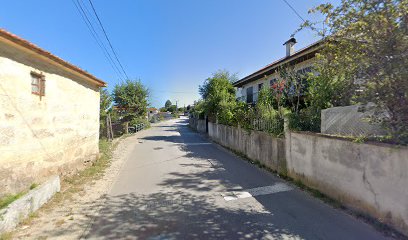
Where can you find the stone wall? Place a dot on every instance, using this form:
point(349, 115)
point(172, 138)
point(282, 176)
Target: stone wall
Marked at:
point(198, 125)
point(39, 137)
point(258, 146)
point(366, 177)
point(369, 178)
point(201, 126)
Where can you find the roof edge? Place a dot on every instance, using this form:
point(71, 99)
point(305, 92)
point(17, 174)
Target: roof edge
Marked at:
point(277, 62)
point(34, 48)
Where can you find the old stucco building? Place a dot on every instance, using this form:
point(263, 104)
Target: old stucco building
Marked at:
point(301, 61)
point(49, 115)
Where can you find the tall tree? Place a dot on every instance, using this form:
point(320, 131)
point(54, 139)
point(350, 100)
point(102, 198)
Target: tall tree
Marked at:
point(168, 104)
point(364, 59)
point(130, 98)
point(219, 95)
point(105, 105)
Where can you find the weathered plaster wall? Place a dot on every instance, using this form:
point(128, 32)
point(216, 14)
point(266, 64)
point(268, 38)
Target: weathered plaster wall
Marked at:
point(366, 177)
point(56, 134)
point(201, 126)
point(258, 146)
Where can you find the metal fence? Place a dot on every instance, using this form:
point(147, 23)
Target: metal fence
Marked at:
point(136, 128)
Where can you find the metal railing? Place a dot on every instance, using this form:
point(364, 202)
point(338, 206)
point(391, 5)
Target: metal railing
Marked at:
point(136, 128)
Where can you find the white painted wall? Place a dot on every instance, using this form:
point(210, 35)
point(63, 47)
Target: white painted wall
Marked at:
point(266, 80)
point(41, 137)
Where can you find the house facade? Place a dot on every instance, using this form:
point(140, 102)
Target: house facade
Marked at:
point(301, 61)
point(49, 115)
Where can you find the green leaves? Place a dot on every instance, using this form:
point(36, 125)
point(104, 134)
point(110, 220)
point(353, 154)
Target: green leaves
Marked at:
point(130, 98)
point(364, 59)
point(219, 96)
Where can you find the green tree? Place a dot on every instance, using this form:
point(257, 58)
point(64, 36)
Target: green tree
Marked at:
point(364, 59)
point(172, 108)
point(130, 98)
point(219, 96)
point(197, 110)
point(168, 104)
point(105, 106)
point(105, 102)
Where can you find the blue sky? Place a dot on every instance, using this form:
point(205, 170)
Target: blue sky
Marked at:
point(172, 46)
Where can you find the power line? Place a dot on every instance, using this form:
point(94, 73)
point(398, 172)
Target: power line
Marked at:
point(107, 38)
point(294, 10)
point(95, 36)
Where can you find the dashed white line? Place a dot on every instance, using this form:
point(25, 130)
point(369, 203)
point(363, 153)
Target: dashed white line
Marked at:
point(235, 195)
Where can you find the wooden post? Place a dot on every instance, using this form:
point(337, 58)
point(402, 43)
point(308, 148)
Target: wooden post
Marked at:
point(107, 127)
point(110, 127)
point(126, 126)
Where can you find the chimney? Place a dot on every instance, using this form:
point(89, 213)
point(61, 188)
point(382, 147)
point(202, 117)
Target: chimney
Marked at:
point(290, 46)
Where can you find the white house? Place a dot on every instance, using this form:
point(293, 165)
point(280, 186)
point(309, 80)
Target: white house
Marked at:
point(249, 86)
point(49, 115)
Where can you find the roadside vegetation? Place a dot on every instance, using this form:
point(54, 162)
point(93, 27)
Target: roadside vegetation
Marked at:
point(125, 106)
point(8, 199)
point(363, 60)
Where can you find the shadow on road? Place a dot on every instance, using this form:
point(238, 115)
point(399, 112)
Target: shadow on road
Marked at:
point(184, 210)
point(160, 216)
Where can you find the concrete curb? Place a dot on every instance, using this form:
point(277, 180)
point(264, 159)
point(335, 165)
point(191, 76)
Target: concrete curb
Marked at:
point(20, 209)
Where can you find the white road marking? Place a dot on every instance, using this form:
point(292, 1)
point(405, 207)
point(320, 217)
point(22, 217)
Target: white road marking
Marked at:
point(193, 144)
point(235, 195)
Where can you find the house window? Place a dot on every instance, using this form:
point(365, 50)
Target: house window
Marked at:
point(37, 84)
point(260, 87)
point(250, 95)
point(272, 82)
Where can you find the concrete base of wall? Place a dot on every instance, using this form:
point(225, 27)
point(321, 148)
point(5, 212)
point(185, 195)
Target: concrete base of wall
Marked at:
point(20, 209)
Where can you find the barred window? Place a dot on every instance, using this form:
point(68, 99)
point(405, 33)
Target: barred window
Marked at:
point(37, 84)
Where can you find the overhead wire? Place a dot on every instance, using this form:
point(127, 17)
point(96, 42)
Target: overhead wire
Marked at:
point(97, 39)
point(107, 38)
point(294, 10)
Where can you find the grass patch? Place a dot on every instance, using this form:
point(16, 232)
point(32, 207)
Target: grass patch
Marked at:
point(8, 199)
point(34, 185)
point(6, 236)
point(29, 219)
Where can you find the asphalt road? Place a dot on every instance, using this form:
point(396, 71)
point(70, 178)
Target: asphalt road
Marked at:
point(176, 184)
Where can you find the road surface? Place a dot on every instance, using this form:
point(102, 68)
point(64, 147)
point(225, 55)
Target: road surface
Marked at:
point(176, 184)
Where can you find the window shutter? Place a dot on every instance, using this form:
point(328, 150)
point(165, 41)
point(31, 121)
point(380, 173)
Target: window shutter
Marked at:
point(42, 86)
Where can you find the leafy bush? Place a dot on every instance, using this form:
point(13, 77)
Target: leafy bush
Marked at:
point(305, 120)
point(364, 59)
point(130, 98)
